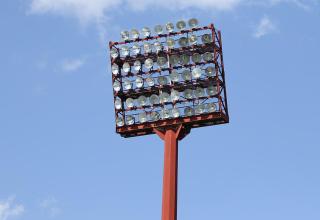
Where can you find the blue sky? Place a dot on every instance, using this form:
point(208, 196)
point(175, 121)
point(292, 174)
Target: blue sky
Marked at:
point(61, 159)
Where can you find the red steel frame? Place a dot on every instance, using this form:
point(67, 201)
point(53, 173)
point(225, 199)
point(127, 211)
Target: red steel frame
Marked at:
point(173, 130)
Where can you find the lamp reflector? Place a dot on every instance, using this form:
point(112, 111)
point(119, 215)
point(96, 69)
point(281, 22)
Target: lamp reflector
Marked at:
point(147, 48)
point(165, 113)
point(116, 86)
point(154, 116)
point(146, 32)
point(174, 60)
point(115, 69)
point(170, 27)
point(124, 51)
point(170, 43)
point(164, 97)
point(211, 107)
point(125, 35)
point(209, 71)
point(193, 39)
point(127, 84)
point(129, 120)
point(184, 59)
point(175, 95)
point(137, 65)
point(142, 101)
point(157, 46)
point(118, 103)
point(136, 49)
point(183, 42)
point(193, 23)
point(143, 117)
point(148, 63)
point(196, 73)
point(181, 25)
point(114, 53)
point(162, 80)
point(162, 61)
point(199, 109)
point(134, 34)
point(207, 56)
point(154, 99)
point(212, 90)
point(175, 112)
point(129, 102)
point(188, 111)
point(126, 67)
point(199, 92)
point(174, 76)
point(150, 81)
point(158, 29)
point(206, 38)
point(186, 75)
point(196, 58)
point(139, 82)
point(119, 121)
point(188, 94)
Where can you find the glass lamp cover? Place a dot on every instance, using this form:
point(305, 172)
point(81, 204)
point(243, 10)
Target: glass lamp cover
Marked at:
point(127, 84)
point(196, 58)
point(206, 38)
point(199, 109)
point(162, 80)
point(142, 117)
point(170, 43)
point(154, 99)
point(207, 56)
point(134, 34)
point(125, 35)
point(150, 81)
point(175, 112)
point(211, 107)
point(170, 27)
point(158, 29)
point(129, 102)
point(148, 63)
point(174, 76)
point(114, 53)
point(157, 46)
point(126, 67)
point(181, 25)
point(116, 86)
point(142, 101)
point(193, 23)
point(146, 32)
point(136, 49)
point(139, 82)
point(129, 120)
point(188, 111)
point(193, 39)
point(188, 94)
point(210, 71)
point(119, 121)
point(186, 75)
point(118, 104)
point(137, 65)
point(164, 97)
point(115, 69)
point(196, 73)
point(147, 48)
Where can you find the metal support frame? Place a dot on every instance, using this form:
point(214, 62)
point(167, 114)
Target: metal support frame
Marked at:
point(170, 136)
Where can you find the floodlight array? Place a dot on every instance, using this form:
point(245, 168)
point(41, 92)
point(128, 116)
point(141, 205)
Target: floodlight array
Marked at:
point(167, 75)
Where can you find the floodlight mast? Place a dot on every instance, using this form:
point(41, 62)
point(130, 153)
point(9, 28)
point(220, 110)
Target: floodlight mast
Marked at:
point(172, 126)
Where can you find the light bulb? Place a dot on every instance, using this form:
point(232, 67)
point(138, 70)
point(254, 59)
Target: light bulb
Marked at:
point(212, 90)
point(209, 71)
point(186, 75)
point(124, 51)
point(170, 43)
point(175, 112)
point(129, 120)
point(116, 86)
point(129, 103)
point(148, 63)
point(150, 81)
point(199, 109)
point(137, 65)
point(142, 101)
point(115, 69)
point(143, 117)
point(184, 59)
point(134, 34)
point(188, 111)
point(154, 116)
point(165, 113)
point(136, 49)
point(125, 35)
point(126, 67)
point(174, 76)
point(174, 60)
point(146, 32)
point(154, 99)
point(157, 46)
point(199, 92)
point(162, 61)
point(169, 27)
point(139, 82)
point(164, 97)
point(118, 103)
point(193, 23)
point(207, 56)
point(183, 42)
point(211, 107)
point(193, 39)
point(119, 121)
point(188, 94)
point(206, 38)
point(181, 25)
point(147, 48)
point(196, 58)
point(162, 80)
point(158, 29)
point(175, 95)
point(127, 84)
point(114, 53)
point(196, 73)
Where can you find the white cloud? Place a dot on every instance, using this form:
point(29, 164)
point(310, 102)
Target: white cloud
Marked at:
point(50, 205)
point(8, 210)
point(264, 27)
point(71, 65)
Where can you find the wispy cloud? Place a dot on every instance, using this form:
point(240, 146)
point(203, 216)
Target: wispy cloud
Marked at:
point(50, 205)
point(8, 209)
point(264, 27)
point(71, 65)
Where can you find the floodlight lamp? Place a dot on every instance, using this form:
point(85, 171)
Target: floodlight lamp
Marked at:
point(174, 76)
point(188, 94)
point(143, 117)
point(212, 90)
point(196, 58)
point(127, 84)
point(162, 61)
point(196, 73)
point(125, 35)
point(184, 59)
point(154, 116)
point(147, 47)
point(183, 42)
point(115, 69)
point(164, 97)
point(157, 46)
point(129, 120)
point(154, 99)
point(139, 82)
point(114, 53)
point(199, 92)
point(126, 67)
point(181, 25)
point(148, 63)
point(193, 23)
point(170, 43)
point(118, 103)
point(188, 111)
point(134, 34)
point(175, 95)
point(119, 121)
point(175, 112)
point(150, 81)
point(146, 32)
point(129, 103)
point(207, 56)
point(174, 60)
point(170, 27)
point(158, 29)
point(193, 39)
point(165, 113)
point(199, 109)
point(137, 65)
point(186, 75)
point(142, 101)
point(209, 71)
point(116, 86)
point(124, 51)
point(211, 107)
point(136, 49)
point(206, 38)
point(162, 80)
